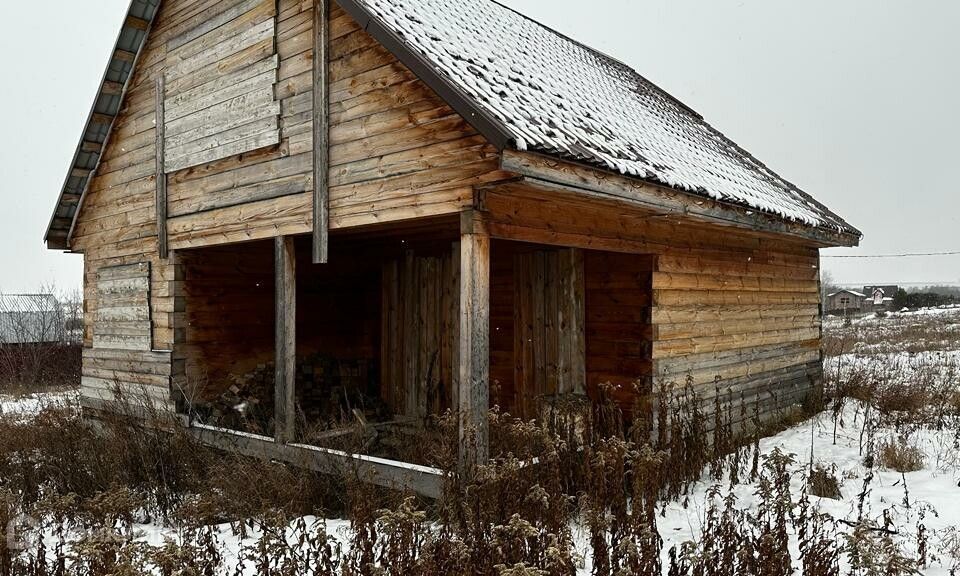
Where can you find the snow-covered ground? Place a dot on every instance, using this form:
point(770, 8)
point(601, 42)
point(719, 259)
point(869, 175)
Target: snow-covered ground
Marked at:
point(932, 491)
point(929, 497)
point(27, 406)
point(933, 488)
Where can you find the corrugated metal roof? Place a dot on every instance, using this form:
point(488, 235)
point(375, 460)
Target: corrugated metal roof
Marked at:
point(28, 303)
point(130, 41)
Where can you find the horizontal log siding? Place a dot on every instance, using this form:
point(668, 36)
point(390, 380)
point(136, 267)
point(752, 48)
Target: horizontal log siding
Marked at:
point(397, 152)
point(725, 303)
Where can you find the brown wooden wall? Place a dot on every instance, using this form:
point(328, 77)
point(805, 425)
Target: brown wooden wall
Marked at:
point(618, 331)
point(229, 299)
point(397, 152)
point(738, 305)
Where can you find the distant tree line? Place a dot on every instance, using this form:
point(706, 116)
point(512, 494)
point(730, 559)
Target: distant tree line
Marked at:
point(926, 297)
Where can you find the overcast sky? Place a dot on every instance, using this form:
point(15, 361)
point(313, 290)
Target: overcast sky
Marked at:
point(855, 101)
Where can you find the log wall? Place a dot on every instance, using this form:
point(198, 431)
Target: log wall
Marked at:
point(739, 306)
point(397, 151)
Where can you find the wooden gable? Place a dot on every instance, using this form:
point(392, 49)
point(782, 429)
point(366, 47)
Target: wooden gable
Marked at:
point(397, 150)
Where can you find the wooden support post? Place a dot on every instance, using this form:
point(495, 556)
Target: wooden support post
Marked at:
point(161, 175)
point(285, 338)
point(571, 358)
point(321, 133)
point(474, 356)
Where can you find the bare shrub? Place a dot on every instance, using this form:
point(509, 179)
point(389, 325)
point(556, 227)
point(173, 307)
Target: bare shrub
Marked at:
point(40, 337)
point(823, 482)
point(900, 454)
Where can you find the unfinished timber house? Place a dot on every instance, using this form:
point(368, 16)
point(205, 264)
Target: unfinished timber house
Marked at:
point(296, 212)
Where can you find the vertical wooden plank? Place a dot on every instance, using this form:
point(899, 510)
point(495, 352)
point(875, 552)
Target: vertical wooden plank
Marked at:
point(474, 394)
point(523, 334)
point(454, 336)
point(161, 176)
point(551, 321)
point(571, 360)
point(539, 334)
point(411, 334)
point(389, 339)
point(285, 338)
point(321, 132)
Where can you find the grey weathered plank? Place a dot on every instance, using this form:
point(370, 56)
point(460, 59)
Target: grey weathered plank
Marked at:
point(377, 471)
point(249, 79)
point(285, 338)
point(474, 354)
point(240, 146)
point(215, 117)
point(321, 133)
point(176, 156)
point(161, 193)
point(228, 47)
point(211, 22)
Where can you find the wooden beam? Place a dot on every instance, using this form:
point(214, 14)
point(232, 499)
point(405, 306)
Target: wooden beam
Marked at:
point(561, 176)
point(474, 349)
point(321, 133)
point(161, 183)
point(285, 338)
point(571, 357)
point(92, 147)
point(377, 471)
point(100, 118)
point(124, 55)
point(135, 22)
point(111, 87)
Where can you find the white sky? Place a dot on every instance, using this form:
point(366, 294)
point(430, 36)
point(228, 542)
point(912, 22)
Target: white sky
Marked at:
point(854, 101)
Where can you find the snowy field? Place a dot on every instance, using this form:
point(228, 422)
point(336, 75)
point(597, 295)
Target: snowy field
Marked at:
point(914, 512)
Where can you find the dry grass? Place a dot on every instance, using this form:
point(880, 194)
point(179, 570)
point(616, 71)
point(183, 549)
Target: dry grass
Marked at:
point(823, 482)
point(898, 453)
point(594, 466)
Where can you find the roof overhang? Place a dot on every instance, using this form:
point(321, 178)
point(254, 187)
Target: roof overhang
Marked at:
point(550, 173)
point(539, 169)
point(96, 131)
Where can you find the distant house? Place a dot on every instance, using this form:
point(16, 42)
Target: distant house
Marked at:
point(29, 319)
point(880, 297)
point(846, 302)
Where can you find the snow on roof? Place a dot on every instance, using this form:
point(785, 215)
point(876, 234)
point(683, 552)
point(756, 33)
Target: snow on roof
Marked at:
point(853, 292)
point(557, 96)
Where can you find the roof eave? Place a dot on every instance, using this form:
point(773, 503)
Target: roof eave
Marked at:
point(58, 234)
point(550, 172)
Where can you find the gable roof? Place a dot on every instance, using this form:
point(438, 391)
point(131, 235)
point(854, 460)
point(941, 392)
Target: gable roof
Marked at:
point(847, 291)
point(532, 88)
point(523, 86)
point(99, 124)
point(888, 289)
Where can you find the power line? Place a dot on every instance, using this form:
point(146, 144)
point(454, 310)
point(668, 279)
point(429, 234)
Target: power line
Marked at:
point(904, 255)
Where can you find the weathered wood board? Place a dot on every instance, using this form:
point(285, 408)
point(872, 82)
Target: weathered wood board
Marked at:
point(220, 76)
point(123, 314)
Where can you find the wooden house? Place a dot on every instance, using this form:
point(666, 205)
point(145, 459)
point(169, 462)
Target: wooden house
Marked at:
point(30, 319)
point(845, 302)
point(442, 204)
